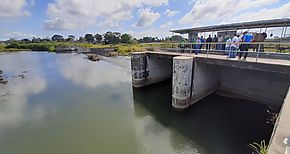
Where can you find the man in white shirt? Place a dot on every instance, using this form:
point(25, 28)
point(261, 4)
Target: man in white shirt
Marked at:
point(234, 46)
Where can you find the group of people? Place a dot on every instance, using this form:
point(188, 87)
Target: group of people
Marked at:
point(232, 45)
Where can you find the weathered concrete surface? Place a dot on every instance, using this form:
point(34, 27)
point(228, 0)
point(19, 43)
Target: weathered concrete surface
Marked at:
point(268, 65)
point(159, 69)
point(282, 129)
point(148, 69)
point(264, 87)
point(139, 70)
point(206, 80)
point(265, 81)
point(182, 82)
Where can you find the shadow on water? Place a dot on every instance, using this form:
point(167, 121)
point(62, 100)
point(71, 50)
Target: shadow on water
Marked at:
point(217, 124)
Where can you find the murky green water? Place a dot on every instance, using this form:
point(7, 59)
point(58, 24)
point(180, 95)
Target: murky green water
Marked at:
point(66, 104)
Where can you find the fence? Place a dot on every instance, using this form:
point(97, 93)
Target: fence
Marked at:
point(282, 48)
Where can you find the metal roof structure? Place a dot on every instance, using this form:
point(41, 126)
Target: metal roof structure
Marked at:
point(235, 26)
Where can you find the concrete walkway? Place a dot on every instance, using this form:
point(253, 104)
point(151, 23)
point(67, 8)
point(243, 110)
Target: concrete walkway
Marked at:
point(224, 57)
point(281, 130)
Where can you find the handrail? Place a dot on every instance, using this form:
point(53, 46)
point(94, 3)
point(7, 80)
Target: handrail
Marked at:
point(219, 47)
point(275, 43)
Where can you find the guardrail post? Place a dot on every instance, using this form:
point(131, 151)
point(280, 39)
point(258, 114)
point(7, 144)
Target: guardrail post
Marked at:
point(258, 52)
point(207, 48)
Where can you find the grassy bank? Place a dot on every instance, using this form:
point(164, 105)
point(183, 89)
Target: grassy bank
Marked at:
point(121, 49)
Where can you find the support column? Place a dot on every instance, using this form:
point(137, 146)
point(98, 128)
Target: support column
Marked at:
point(139, 69)
point(182, 82)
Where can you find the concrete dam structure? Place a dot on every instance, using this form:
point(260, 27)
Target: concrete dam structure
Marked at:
point(197, 76)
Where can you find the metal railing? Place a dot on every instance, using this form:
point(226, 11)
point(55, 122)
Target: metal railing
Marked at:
point(256, 48)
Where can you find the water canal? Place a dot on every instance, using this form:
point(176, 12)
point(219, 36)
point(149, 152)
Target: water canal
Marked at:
point(66, 104)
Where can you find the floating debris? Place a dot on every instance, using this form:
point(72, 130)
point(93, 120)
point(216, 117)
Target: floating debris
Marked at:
point(93, 57)
point(112, 54)
point(272, 117)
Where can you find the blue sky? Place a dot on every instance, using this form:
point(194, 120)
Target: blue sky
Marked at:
point(43, 18)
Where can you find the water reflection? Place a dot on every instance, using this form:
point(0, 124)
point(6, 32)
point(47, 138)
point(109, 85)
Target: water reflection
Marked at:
point(14, 94)
point(67, 104)
point(214, 125)
point(157, 119)
point(91, 74)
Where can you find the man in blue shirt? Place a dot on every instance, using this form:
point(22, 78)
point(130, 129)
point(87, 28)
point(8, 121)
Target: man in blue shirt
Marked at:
point(202, 40)
point(247, 38)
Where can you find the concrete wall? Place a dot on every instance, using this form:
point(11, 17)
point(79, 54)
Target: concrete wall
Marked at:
point(138, 69)
point(280, 140)
point(265, 87)
point(196, 78)
point(148, 69)
point(192, 81)
point(159, 68)
point(206, 80)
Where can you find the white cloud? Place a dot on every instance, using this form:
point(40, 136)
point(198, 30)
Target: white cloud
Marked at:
point(166, 25)
point(170, 13)
point(13, 8)
point(153, 32)
point(221, 11)
point(76, 14)
point(15, 35)
point(191, 2)
point(146, 17)
point(282, 11)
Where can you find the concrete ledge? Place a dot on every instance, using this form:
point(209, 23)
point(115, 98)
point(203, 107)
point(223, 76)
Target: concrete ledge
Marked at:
point(281, 130)
point(284, 69)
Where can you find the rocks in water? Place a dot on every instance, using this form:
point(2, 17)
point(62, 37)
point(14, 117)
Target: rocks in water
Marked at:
point(21, 75)
point(2, 79)
point(93, 57)
point(112, 54)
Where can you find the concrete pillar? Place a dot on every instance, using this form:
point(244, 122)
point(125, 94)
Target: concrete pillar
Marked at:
point(139, 69)
point(182, 82)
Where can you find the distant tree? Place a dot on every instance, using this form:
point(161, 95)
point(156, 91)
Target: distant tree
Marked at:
point(176, 38)
point(117, 38)
point(108, 37)
point(82, 39)
point(58, 38)
point(71, 38)
point(112, 37)
point(11, 40)
point(25, 41)
point(36, 40)
point(90, 38)
point(45, 39)
point(98, 38)
point(125, 38)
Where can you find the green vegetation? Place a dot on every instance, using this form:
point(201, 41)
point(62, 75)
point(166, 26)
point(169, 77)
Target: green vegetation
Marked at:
point(126, 49)
point(4, 49)
point(259, 148)
point(123, 43)
point(121, 49)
